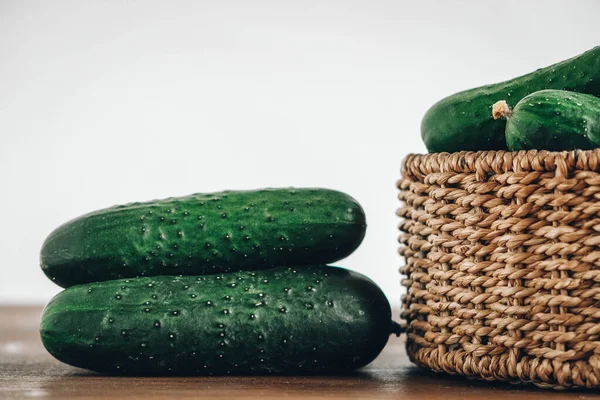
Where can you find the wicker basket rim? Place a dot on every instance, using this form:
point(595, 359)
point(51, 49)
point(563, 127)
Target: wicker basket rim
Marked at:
point(499, 161)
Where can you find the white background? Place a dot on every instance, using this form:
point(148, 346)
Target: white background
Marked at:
point(107, 102)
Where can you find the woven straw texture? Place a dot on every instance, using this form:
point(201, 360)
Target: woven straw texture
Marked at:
point(502, 266)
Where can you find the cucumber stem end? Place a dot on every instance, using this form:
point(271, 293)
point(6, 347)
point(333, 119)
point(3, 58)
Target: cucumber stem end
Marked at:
point(398, 329)
point(501, 109)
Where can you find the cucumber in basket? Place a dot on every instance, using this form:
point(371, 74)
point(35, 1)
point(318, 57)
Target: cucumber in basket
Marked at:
point(281, 320)
point(552, 120)
point(205, 233)
point(463, 121)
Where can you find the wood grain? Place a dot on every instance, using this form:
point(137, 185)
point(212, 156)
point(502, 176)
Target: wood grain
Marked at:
point(28, 371)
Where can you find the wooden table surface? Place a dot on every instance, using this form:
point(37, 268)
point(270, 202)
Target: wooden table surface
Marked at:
point(27, 371)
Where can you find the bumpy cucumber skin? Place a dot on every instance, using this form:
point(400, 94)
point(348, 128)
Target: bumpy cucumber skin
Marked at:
point(554, 120)
point(464, 120)
point(282, 320)
point(205, 233)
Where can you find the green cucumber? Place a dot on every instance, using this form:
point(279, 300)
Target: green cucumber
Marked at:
point(205, 233)
point(554, 120)
point(463, 121)
point(282, 320)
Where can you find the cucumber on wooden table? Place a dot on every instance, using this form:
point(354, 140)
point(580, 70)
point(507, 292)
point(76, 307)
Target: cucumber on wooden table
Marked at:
point(205, 233)
point(552, 120)
point(281, 320)
point(463, 121)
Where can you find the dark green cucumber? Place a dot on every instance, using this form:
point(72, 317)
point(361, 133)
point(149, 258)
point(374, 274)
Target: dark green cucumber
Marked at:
point(282, 320)
point(463, 121)
point(552, 120)
point(205, 233)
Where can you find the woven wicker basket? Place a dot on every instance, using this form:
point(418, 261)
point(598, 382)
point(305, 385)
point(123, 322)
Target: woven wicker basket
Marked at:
point(502, 267)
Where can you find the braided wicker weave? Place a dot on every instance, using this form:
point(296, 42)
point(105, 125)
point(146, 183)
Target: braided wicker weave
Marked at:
point(502, 258)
